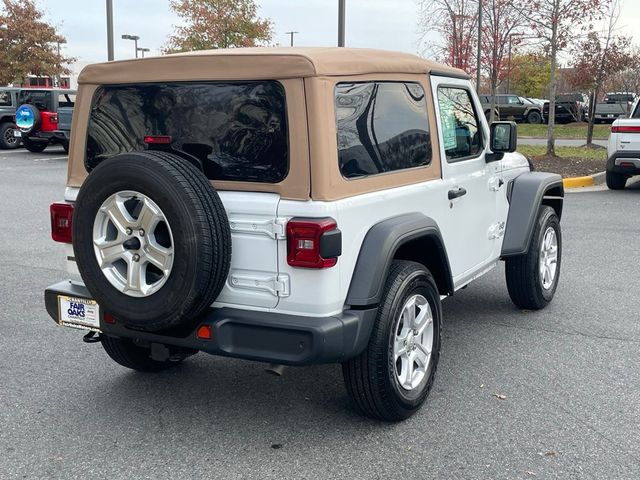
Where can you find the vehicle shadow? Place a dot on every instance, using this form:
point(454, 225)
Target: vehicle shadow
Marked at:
point(238, 398)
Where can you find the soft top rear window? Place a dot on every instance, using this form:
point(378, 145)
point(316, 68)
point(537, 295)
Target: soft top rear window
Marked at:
point(237, 130)
point(41, 99)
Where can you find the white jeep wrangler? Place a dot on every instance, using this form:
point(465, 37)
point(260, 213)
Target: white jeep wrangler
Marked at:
point(293, 206)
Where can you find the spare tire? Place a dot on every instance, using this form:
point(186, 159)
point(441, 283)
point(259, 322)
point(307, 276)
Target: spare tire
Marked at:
point(151, 239)
point(27, 118)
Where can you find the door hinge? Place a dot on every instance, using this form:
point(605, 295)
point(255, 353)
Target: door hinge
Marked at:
point(496, 230)
point(277, 285)
point(495, 183)
point(274, 228)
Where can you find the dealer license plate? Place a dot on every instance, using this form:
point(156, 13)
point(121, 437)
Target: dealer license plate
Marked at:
point(78, 312)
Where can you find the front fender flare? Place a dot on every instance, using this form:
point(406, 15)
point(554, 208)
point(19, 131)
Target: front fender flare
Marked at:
point(526, 194)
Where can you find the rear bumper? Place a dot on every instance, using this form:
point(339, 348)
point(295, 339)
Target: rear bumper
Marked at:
point(252, 335)
point(624, 162)
point(57, 136)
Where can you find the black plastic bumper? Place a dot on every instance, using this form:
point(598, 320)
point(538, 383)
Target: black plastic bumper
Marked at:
point(252, 335)
point(631, 167)
point(57, 136)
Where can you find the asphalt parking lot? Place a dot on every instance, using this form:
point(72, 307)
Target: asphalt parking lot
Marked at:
point(570, 376)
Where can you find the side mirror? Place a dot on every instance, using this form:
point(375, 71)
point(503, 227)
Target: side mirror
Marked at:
point(503, 139)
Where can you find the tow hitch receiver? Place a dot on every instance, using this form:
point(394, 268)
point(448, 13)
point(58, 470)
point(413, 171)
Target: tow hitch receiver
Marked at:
point(92, 337)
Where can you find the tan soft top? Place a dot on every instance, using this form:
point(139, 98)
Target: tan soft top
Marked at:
point(260, 63)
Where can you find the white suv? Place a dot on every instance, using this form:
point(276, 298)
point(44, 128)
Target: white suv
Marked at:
point(623, 149)
point(294, 206)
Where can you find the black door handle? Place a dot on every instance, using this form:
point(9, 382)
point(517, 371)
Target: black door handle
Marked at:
point(457, 192)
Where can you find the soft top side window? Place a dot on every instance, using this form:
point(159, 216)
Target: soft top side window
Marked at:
point(5, 99)
point(382, 127)
point(461, 133)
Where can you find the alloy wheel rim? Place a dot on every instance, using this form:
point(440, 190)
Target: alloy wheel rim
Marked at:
point(413, 342)
point(133, 243)
point(9, 137)
point(548, 258)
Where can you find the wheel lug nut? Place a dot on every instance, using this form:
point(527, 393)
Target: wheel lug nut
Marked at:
point(129, 231)
point(141, 232)
point(136, 257)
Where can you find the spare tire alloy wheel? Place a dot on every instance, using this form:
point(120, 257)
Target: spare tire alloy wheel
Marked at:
point(151, 239)
point(133, 243)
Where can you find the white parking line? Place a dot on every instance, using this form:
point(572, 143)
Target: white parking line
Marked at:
point(50, 158)
point(12, 152)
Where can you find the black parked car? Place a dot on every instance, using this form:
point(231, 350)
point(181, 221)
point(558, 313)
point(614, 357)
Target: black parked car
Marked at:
point(570, 107)
point(512, 106)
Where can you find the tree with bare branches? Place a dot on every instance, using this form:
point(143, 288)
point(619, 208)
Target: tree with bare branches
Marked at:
point(456, 23)
point(600, 56)
point(555, 22)
point(503, 25)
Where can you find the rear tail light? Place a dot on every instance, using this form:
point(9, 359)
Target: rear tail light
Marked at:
point(627, 165)
point(625, 129)
point(61, 216)
point(313, 243)
point(157, 139)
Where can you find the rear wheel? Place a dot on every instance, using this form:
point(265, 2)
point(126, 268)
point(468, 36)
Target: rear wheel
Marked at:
point(616, 181)
point(65, 146)
point(128, 353)
point(7, 138)
point(391, 379)
point(34, 147)
point(532, 278)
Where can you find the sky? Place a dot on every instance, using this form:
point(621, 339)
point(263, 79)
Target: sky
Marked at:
point(386, 24)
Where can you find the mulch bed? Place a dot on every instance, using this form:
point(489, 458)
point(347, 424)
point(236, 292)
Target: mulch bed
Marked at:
point(568, 166)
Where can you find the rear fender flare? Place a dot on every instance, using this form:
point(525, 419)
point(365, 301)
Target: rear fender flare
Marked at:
point(379, 248)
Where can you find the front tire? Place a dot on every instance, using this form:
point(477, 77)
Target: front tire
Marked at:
point(127, 353)
point(534, 118)
point(616, 181)
point(391, 379)
point(532, 278)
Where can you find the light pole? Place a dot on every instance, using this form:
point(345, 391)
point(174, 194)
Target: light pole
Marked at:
point(292, 34)
point(110, 30)
point(135, 38)
point(478, 62)
point(341, 22)
point(140, 49)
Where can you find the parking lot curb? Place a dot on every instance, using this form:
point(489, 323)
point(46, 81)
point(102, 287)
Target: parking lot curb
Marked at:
point(588, 181)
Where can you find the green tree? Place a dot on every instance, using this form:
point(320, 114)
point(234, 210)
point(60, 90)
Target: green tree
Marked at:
point(210, 24)
point(28, 44)
point(530, 75)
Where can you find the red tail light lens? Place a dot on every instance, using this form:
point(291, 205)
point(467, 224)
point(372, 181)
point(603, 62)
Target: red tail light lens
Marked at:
point(157, 139)
point(61, 217)
point(625, 129)
point(204, 332)
point(313, 243)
